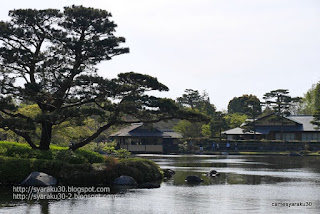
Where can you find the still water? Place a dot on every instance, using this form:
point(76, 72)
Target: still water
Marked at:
point(247, 184)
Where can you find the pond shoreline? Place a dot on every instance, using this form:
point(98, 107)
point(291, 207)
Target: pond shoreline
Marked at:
point(97, 174)
point(246, 184)
point(266, 153)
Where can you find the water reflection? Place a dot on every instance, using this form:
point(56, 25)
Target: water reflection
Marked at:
point(250, 170)
point(226, 178)
point(246, 184)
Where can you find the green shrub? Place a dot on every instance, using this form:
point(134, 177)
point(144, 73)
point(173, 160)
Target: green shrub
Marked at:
point(142, 170)
point(64, 172)
point(20, 150)
point(71, 168)
point(13, 170)
point(122, 153)
point(92, 157)
point(110, 160)
point(110, 147)
point(16, 149)
point(80, 156)
point(3, 151)
point(122, 169)
point(69, 156)
point(58, 148)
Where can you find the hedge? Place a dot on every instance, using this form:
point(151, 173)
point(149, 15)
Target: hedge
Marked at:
point(80, 156)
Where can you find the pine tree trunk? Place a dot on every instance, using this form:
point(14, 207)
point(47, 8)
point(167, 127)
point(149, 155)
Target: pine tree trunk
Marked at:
point(46, 133)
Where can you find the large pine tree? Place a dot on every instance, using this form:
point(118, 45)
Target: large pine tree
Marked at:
point(49, 57)
point(280, 101)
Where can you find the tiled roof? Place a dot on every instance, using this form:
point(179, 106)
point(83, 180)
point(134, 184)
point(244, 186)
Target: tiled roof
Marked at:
point(172, 134)
point(303, 124)
point(305, 120)
point(238, 131)
point(125, 131)
point(268, 129)
point(134, 131)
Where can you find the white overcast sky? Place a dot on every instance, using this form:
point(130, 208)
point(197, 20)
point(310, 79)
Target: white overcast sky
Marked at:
point(226, 47)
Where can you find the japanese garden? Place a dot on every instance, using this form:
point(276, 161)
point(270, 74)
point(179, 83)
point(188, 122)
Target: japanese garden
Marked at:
point(63, 119)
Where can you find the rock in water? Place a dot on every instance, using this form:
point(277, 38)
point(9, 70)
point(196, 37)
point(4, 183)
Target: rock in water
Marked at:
point(213, 173)
point(149, 185)
point(168, 173)
point(125, 180)
point(193, 179)
point(39, 179)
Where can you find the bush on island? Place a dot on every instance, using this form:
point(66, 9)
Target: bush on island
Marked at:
point(15, 170)
point(80, 156)
point(142, 170)
point(82, 167)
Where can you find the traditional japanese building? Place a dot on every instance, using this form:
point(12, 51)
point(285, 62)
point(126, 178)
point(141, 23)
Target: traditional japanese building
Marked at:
point(271, 127)
point(146, 138)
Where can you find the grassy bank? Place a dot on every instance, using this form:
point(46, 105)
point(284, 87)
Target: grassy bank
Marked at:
point(81, 168)
point(80, 156)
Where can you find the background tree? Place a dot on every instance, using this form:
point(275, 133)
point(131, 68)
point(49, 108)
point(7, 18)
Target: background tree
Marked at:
point(218, 124)
point(244, 105)
point(235, 120)
point(235, 105)
point(192, 99)
point(280, 101)
point(308, 103)
point(253, 109)
point(54, 55)
point(316, 112)
point(241, 108)
point(189, 130)
point(266, 111)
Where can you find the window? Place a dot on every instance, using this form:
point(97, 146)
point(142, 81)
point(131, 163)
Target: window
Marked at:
point(311, 137)
point(286, 136)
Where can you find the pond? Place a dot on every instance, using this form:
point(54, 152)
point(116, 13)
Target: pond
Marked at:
point(246, 184)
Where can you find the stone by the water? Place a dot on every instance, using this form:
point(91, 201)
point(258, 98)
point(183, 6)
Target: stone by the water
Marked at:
point(193, 179)
point(39, 179)
point(168, 173)
point(213, 173)
point(149, 185)
point(125, 180)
